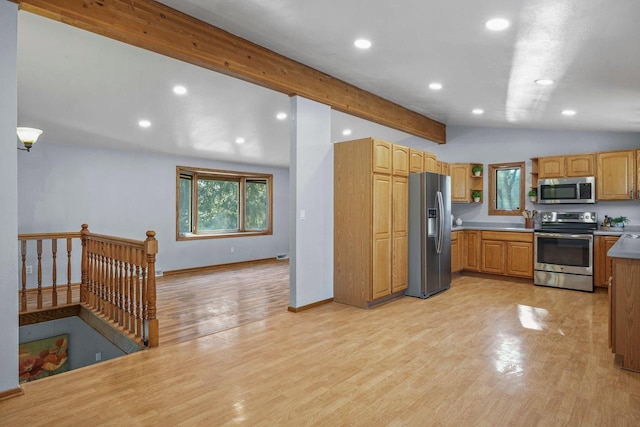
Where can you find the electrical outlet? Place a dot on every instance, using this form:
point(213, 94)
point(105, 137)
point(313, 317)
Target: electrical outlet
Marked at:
point(98, 356)
point(29, 269)
point(233, 249)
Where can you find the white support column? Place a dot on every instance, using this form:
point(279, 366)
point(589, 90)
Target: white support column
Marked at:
point(311, 203)
point(9, 191)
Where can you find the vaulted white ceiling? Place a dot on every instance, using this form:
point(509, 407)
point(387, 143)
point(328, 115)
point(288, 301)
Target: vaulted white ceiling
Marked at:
point(84, 88)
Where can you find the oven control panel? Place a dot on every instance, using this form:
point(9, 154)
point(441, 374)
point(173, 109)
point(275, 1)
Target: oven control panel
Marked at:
point(568, 217)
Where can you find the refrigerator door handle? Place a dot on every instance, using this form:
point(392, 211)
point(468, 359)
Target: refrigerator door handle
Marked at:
point(440, 221)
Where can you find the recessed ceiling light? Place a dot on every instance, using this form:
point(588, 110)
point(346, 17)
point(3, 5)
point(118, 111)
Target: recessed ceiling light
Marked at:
point(477, 111)
point(179, 90)
point(497, 24)
point(544, 82)
point(435, 86)
point(362, 44)
point(281, 116)
point(346, 132)
point(144, 123)
point(240, 140)
point(569, 112)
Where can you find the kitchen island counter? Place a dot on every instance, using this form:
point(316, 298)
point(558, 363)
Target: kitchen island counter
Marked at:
point(627, 246)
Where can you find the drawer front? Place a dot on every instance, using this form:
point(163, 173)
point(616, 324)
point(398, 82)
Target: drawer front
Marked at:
point(509, 236)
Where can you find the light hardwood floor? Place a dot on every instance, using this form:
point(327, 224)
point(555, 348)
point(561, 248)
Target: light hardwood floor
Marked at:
point(485, 352)
point(195, 305)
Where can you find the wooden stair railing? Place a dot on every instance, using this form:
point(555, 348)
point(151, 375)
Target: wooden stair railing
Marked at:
point(52, 291)
point(117, 279)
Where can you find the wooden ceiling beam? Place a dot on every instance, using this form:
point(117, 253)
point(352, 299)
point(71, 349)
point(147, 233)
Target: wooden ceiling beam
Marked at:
point(159, 28)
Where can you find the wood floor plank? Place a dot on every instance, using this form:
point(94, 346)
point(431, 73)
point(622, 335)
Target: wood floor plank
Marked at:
point(485, 352)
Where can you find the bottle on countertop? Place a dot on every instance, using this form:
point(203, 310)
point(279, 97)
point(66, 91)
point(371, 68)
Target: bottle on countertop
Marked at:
point(606, 222)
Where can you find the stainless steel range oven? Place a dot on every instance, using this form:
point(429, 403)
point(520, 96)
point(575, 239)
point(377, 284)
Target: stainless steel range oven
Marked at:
point(563, 255)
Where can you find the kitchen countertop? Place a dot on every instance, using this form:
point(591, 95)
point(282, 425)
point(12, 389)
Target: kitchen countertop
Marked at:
point(506, 226)
point(492, 226)
point(616, 231)
point(627, 246)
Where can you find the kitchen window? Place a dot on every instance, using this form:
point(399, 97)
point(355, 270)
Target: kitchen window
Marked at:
point(213, 203)
point(506, 188)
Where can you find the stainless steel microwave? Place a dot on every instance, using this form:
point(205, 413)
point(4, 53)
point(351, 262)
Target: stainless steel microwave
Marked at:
point(567, 190)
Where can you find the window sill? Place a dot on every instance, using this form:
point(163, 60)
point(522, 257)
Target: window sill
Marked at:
point(187, 237)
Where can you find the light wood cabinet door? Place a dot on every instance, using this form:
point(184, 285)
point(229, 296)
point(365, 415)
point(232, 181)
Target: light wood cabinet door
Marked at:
point(580, 165)
point(381, 236)
point(430, 162)
point(400, 226)
point(382, 157)
point(400, 160)
point(615, 177)
point(455, 252)
point(551, 167)
point(415, 160)
point(472, 250)
point(625, 315)
point(493, 253)
point(520, 259)
point(602, 263)
point(638, 174)
point(460, 191)
point(445, 168)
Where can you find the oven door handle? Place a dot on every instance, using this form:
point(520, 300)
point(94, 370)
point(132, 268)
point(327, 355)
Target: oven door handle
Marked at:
point(566, 236)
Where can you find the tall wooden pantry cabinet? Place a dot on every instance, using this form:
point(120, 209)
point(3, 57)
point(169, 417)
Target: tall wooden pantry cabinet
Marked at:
point(370, 221)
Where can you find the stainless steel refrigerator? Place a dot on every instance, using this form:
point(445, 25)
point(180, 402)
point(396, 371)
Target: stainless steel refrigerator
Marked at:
point(429, 234)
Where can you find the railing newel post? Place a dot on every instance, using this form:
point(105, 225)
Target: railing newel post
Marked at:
point(151, 249)
point(23, 298)
point(84, 236)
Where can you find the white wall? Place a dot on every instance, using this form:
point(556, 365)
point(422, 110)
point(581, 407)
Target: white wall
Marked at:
point(500, 145)
point(8, 190)
point(311, 275)
point(61, 186)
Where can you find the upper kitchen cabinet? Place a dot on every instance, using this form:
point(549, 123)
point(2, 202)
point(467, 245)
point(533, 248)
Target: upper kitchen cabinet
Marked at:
point(464, 182)
point(416, 159)
point(400, 160)
point(442, 168)
point(551, 167)
point(566, 166)
point(430, 162)
point(616, 175)
point(382, 155)
point(580, 165)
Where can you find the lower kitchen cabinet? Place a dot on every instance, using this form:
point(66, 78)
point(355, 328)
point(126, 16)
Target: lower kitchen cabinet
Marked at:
point(520, 259)
point(472, 250)
point(457, 252)
point(602, 263)
point(493, 253)
point(624, 316)
point(504, 253)
point(507, 253)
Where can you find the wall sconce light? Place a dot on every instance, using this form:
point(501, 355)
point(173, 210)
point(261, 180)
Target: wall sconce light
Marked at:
point(28, 136)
